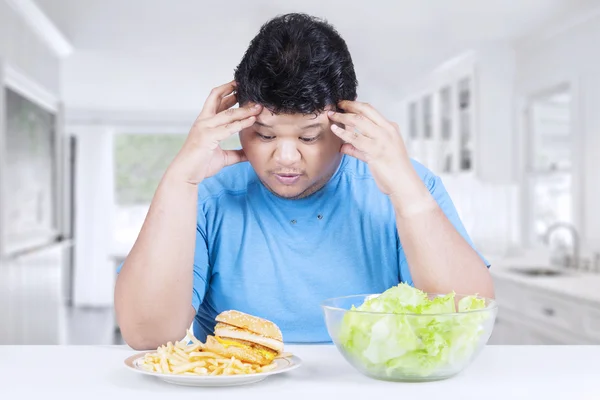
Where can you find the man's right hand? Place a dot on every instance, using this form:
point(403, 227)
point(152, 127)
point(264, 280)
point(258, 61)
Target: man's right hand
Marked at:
point(201, 156)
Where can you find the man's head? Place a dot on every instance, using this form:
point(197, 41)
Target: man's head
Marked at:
point(297, 68)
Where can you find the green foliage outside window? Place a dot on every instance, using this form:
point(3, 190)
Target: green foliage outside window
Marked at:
point(142, 159)
point(140, 162)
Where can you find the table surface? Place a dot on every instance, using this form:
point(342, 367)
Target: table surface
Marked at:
point(500, 372)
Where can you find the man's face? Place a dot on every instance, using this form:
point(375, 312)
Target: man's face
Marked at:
point(294, 155)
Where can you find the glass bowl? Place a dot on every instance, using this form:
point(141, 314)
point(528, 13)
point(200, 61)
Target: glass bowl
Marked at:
point(408, 347)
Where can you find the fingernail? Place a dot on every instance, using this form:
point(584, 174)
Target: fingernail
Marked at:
point(330, 113)
point(256, 106)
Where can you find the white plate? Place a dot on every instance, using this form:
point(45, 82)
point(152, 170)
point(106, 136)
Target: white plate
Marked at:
point(283, 365)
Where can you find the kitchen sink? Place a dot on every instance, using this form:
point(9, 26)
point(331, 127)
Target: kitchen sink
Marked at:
point(539, 271)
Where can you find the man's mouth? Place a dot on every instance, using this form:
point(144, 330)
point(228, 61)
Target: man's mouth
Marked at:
point(287, 179)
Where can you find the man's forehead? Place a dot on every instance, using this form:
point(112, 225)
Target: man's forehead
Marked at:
point(269, 120)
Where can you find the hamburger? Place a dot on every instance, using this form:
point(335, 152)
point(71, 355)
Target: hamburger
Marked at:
point(248, 338)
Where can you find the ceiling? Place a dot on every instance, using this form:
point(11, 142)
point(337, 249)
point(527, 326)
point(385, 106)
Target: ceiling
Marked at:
point(391, 42)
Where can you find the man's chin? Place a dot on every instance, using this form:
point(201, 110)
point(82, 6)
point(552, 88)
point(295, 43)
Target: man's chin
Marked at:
point(288, 192)
point(299, 190)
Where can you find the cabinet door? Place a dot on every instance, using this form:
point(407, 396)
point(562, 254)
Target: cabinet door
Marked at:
point(507, 332)
point(540, 338)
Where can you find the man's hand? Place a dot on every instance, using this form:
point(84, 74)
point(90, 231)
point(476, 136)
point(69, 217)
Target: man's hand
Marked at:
point(201, 156)
point(375, 140)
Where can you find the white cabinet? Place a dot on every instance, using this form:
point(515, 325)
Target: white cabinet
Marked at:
point(441, 124)
point(459, 119)
point(530, 315)
point(32, 304)
point(507, 331)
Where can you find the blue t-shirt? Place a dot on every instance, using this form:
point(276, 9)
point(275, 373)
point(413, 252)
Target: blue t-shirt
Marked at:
point(279, 259)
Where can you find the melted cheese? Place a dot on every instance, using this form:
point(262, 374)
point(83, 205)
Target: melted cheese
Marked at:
point(226, 343)
point(268, 354)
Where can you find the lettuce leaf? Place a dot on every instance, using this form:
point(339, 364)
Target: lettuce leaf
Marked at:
point(405, 344)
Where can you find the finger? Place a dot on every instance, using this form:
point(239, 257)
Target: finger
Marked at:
point(224, 131)
point(212, 103)
point(354, 138)
point(365, 126)
point(233, 114)
point(366, 110)
point(227, 102)
point(352, 151)
point(234, 157)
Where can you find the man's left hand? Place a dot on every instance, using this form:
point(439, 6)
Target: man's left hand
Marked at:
point(373, 139)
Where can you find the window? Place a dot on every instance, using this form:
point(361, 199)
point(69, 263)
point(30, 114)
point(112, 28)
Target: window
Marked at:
point(446, 128)
point(412, 121)
point(550, 175)
point(427, 117)
point(139, 162)
point(465, 116)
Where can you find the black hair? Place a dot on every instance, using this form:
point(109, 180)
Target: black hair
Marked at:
point(296, 64)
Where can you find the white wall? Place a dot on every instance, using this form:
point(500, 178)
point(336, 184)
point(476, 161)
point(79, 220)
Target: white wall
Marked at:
point(24, 50)
point(122, 82)
point(573, 57)
point(94, 266)
point(156, 83)
point(495, 76)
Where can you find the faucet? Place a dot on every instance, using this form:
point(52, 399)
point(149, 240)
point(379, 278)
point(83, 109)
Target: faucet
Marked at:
point(574, 261)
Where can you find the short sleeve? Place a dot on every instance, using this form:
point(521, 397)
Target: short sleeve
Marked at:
point(201, 262)
point(441, 196)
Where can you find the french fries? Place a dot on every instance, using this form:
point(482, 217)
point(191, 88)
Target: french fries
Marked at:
point(187, 357)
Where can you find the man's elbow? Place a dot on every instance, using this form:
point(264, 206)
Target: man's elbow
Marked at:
point(150, 331)
point(140, 344)
point(142, 340)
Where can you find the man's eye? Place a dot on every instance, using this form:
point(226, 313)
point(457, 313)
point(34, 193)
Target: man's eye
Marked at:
point(263, 137)
point(309, 140)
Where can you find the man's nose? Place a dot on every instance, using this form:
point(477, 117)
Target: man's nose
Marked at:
point(287, 153)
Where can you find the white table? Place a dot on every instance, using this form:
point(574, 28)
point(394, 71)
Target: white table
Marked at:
point(90, 372)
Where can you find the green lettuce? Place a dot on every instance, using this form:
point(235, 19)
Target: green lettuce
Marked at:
point(401, 344)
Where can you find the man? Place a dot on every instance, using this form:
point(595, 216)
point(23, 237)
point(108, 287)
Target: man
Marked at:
point(321, 201)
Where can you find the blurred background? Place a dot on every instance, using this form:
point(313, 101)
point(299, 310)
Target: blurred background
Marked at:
point(500, 98)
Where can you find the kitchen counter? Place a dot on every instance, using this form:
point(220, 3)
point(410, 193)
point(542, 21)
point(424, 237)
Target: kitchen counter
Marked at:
point(578, 285)
point(500, 372)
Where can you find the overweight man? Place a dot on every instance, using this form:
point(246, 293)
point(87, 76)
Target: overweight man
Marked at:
point(321, 201)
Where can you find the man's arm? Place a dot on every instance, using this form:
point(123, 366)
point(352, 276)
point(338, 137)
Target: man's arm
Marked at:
point(154, 299)
point(439, 258)
point(153, 294)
